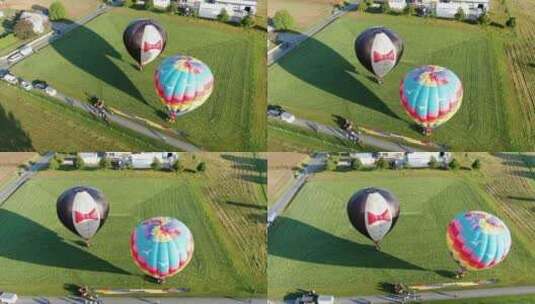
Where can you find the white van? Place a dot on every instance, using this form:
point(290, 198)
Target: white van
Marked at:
point(11, 79)
point(14, 57)
point(26, 50)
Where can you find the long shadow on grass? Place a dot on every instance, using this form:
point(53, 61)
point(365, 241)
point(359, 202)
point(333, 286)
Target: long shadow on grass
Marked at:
point(321, 66)
point(30, 242)
point(88, 51)
point(13, 137)
point(249, 164)
point(296, 240)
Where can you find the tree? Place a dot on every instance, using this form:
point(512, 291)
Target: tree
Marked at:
point(460, 15)
point(249, 21)
point(79, 163)
point(177, 166)
point(454, 164)
point(201, 167)
point(149, 4)
point(331, 164)
point(338, 3)
point(54, 164)
point(105, 163)
point(433, 163)
point(128, 3)
point(173, 8)
point(23, 29)
point(511, 22)
point(156, 165)
point(283, 21)
point(381, 163)
point(363, 6)
point(484, 18)
point(356, 164)
point(57, 11)
point(385, 6)
point(223, 16)
point(476, 165)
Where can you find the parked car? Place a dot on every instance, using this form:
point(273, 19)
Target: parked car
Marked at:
point(50, 91)
point(3, 73)
point(8, 298)
point(26, 85)
point(274, 110)
point(15, 57)
point(39, 84)
point(26, 50)
point(288, 117)
point(11, 79)
point(325, 300)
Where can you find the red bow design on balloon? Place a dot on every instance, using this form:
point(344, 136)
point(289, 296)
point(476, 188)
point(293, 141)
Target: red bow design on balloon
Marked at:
point(81, 217)
point(152, 46)
point(372, 217)
point(382, 57)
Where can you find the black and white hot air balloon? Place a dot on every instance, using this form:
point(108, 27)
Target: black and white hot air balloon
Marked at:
point(373, 212)
point(83, 210)
point(379, 50)
point(144, 40)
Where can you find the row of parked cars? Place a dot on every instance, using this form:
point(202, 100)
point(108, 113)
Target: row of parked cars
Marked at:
point(18, 55)
point(26, 85)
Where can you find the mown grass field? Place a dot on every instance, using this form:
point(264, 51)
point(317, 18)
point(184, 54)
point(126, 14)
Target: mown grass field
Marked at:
point(526, 299)
point(31, 122)
point(305, 13)
point(93, 60)
point(281, 172)
point(313, 245)
point(322, 78)
point(38, 249)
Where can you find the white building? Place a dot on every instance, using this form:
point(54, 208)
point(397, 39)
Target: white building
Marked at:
point(210, 9)
point(38, 21)
point(422, 159)
point(366, 159)
point(397, 5)
point(161, 4)
point(448, 8)
point(141, 160)
point(408, 159)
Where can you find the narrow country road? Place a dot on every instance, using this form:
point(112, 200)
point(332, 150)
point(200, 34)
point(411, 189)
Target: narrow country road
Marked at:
point(316, 164)
point(11, 187)
point(137, 300)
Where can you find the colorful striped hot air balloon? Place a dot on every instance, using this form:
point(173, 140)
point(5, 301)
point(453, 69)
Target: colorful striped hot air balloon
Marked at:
point(478, 240)
point(183, 84)
point(161, 247)
point(431, 95)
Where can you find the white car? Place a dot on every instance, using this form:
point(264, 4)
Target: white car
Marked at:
point(15, 57)
point(26, 50)
point(51, 91)
point(288, 117)
point(325, 300)
point(8, 298)
point(26, 85)
point(11, 79)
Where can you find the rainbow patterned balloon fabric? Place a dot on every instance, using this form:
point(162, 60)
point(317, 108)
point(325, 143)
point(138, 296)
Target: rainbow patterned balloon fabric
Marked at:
point(183, 83)
point(431, 95)
point(161, 246)
point(478, 240)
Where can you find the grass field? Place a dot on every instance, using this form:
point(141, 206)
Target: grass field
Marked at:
point(304, 12)
point(35, 123)
point(313, 245)
point(93, 60)
point(528, 299)
point(218, 267)
point(322, 78)
point(281, 172)
point(10, 162)
point(75, 8)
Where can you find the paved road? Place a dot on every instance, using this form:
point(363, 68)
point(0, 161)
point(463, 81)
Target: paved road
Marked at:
point(317, 163)
point(139, 300)
point(11, 187)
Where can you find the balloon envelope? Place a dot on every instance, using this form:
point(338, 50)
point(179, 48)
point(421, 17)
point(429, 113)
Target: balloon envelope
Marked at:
point(161, 246)
point(183, 83)
point(379, 50)
point(144, 40)
point(478, 240)
point(373, 212)
point(83, 210)
point(431, 95)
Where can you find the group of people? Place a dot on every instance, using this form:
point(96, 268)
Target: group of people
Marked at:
point(89, 298)
point(352, 135)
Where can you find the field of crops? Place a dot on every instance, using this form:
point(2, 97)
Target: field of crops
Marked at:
point(304, 12)
point(30, 224)
point(281, 172)
point(322, 78)
point(10, 162)
point(313, 245)
point(35, 123)
point(92, 60)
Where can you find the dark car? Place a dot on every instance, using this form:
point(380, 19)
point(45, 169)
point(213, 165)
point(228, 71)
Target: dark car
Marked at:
point(3, 73)
point(274, 110)
point(39, 84)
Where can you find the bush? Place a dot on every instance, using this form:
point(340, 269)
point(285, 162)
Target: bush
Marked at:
point(484, 19)
point(331, 164)
point(57, 11)
point(79, 163)
point(433, 163)
point(460, 15)
point(223, 16)
point(381, 163)
point(105, 163)
point(201, 167)
point(511, 22)
point(249, 21)
point(356, 164)
point(156, 165)
point(363, 6)
point(128, 3)
point(385, 7)
point(177, 166)
point(454, 164)
point(476, 165)
point(149, 4)
point(283, 21)
point(54, 164)
point(23, 30)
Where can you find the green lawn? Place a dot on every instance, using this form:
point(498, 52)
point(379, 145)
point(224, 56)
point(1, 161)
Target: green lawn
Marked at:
point(313, 245)
point(35, 123)
point(93, 60)
point(323, 78)
point(528, 299)
point(37, 248)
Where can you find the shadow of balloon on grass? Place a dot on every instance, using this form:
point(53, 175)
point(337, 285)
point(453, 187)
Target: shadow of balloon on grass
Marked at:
point(303, 242)
point(30, 242)
point(13, 137)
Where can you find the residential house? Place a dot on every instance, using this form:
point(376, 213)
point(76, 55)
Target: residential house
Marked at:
point(210, 9)
point(38, 21)
point(141, 160)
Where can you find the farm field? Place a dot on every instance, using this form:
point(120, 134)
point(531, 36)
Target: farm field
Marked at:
point(10, 162)
point(31, 217)
point(313, 245)
point(75, 8)
point(281, 172)
point(304, 12)
point(323, 78)
point(35, 123)
point(92, 60)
